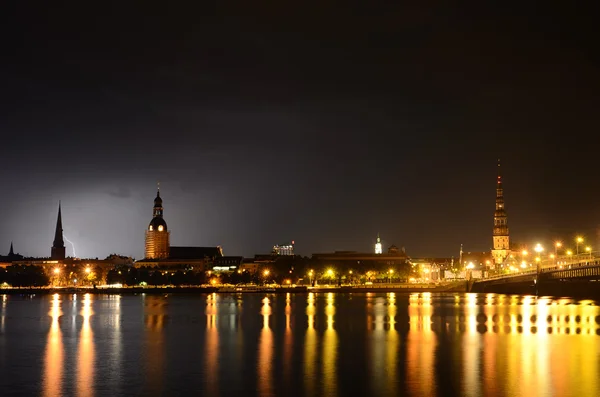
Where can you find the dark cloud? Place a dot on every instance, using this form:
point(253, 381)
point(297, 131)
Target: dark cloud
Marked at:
point(317, 122)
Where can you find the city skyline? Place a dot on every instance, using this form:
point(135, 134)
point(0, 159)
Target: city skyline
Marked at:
point(317, 126)
point(376, 243)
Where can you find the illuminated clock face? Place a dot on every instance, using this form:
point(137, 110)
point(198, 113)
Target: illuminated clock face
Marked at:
point(150, 228)
point(160, 228)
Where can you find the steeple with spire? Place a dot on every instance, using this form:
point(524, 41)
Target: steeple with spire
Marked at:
point(501, 243)
point(11, 252)
point(58, 246)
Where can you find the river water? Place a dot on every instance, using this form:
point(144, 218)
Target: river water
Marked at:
point(309, 344)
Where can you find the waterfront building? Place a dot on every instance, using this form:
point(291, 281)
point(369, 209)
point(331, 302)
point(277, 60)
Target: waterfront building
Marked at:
point(500, 239)
point(227, 264)
point(344, 261)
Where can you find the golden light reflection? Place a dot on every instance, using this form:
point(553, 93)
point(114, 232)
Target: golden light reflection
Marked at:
point(392, 344)
point(531, 346)
point(54, 358)
point(421, 343)
point(211, 353)
point(330, 344)
point(288, 340)
point(377, 311)
point(3, 314)
point(85, 351)
point(265, 353)
point(472, 348)
point(310, 346)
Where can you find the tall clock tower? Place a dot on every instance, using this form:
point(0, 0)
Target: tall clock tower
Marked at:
point(500, 236)
point(157, 235)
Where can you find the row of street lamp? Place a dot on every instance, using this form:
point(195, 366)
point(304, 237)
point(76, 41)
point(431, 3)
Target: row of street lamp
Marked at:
point(569, 253)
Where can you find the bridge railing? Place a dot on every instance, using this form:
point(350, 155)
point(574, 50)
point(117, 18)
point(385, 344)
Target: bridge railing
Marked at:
point(545, 268)
point(507, 275)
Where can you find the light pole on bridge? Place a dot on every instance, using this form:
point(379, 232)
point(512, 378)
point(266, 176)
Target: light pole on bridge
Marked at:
point(539, 249)
point(578, 241)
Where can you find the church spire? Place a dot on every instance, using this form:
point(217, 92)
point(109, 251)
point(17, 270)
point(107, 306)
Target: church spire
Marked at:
point(11, 252)
point(58, 246)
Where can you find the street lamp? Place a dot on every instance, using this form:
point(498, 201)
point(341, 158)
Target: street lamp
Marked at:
point(538, 248)
point(569, 253)
point(588, 249)
point(578, 241)
point(391, 271)
point(557, 245)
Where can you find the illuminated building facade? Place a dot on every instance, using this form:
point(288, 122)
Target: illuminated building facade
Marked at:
point(378, 249)
point(157, 235)
point(284, 249)
point(58, 246)
point(501, 243)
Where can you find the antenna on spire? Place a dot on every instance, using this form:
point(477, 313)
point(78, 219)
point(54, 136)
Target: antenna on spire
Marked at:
point(158, 185)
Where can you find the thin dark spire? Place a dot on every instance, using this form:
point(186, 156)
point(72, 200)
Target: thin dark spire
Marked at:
point(11, 252)
point(58, 246)
point(58, 234)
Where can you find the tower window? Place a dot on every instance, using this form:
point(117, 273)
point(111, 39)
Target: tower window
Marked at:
point(150, 228)
point(160, 228)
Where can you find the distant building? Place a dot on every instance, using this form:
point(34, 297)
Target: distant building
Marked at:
point(284, 249)
point(10, 258)
point(351, 260)
point(227, 263)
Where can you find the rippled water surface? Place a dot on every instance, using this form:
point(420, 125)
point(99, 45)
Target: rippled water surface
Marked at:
point(299, 345)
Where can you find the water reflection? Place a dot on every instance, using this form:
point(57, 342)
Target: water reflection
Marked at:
point(85, 350)
point(288, 339)
point(3, 315)
point(390, 344)
point(421, 343)
point(54, 358)
point(310, 347)
point(155, 318)
point(211, 353)
point(265, 352)
point(330, 343)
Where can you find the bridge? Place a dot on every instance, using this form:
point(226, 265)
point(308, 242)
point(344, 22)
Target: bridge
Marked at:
point(574, 278)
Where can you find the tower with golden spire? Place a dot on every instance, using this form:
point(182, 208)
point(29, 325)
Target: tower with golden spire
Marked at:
point(501, 241)
point(157, 235)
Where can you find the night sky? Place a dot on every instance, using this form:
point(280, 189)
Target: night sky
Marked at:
point(321, 123)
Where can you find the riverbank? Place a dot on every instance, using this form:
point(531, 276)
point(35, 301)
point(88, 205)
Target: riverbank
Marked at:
point(397, 288)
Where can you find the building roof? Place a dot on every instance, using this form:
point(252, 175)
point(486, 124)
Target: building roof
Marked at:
point(195, 252)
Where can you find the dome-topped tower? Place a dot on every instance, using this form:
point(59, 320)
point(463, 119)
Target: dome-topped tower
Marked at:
point(157, 235)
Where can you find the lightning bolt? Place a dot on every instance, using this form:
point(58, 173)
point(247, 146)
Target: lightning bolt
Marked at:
point(73, 245)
